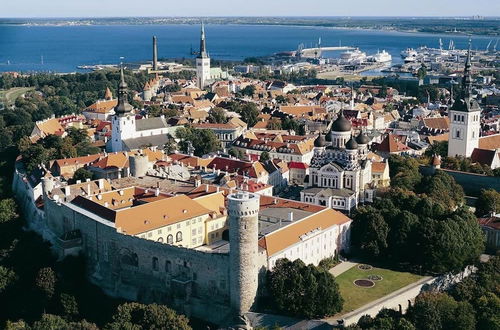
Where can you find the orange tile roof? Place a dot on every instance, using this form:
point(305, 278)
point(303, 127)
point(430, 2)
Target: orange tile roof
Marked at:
point(214, 202)
point(287, 236)
point(118, 160)
point(50, 126)
point(437, 123)
point(491, 142)
point(438, 138)
point(378, 167)
point(102, 106)
point(167, 211)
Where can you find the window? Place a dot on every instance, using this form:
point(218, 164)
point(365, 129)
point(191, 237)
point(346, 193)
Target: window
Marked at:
point(168, 266)
point(193, 232)
point(170, 239)
point(457, 134)
point(155, 263)
point(150, 234)
point(159, 231)
point(178, 236)
point(160, 239)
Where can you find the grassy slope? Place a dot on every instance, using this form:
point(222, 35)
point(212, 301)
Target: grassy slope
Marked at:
point(356, 297)
point(9, 96)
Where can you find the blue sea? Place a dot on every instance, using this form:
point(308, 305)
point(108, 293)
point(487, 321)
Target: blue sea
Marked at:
point(63, 48)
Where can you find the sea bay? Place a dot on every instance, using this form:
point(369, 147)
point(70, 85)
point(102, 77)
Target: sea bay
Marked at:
point(63, 48)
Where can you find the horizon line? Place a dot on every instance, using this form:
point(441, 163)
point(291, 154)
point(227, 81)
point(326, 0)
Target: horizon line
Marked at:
point(249, 16)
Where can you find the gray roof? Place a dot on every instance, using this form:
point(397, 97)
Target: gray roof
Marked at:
point(330, 192)
point(140, 142)
point(150, 123)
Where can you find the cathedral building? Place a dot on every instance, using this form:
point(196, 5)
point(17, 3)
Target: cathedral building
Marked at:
point(340, 173)
point(128, 132)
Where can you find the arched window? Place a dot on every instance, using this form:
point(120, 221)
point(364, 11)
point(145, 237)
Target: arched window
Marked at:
point(178, 236)
point(155, 263)
point(170, 239)
point(160, 239)
point(168, 266)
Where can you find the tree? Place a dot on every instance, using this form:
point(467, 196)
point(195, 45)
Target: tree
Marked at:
point(488, 202)
point(46, 281)
point(78, 135)
point(280, 99)
point(217, 115)
point(437, 148)
point(442, 188)
point(404, 172)
point(49, 322)
point(69, 306)
point(8, 210)
point(153, 316)
point(248, 90)
point(236, 152)
point(264, 157)
point(204, 141)
point(440, 311)
point(7, 276)
point(301, 290)
point(82, 174)
point(274, 124)
point(370, 232)
point(249, 113)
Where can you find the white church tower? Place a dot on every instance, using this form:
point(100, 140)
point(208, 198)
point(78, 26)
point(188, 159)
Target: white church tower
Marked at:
point(202, 63)
point(123, 122)
point(465, 118)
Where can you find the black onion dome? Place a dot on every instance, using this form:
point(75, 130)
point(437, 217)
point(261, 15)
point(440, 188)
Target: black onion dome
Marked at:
point(320, 141)
point(341, 124)
point(351, 144)
point(362, 139)
point(328, 137)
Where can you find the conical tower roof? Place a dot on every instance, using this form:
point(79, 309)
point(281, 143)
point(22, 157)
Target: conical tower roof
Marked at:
point(123, 108)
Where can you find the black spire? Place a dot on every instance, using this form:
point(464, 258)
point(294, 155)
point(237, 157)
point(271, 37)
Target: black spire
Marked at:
point(464, 101)
point(203, 46)
point(123, 107)
point(467, 79)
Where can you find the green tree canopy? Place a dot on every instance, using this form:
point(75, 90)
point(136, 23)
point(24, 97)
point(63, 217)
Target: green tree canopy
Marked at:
point(217, 115)
point(204, 141)
point(301, 290)
point(153, 316)
point(488, 202)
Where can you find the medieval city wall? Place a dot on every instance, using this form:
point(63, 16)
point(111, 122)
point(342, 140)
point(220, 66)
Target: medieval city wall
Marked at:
point(193, 282)
point(470, 182)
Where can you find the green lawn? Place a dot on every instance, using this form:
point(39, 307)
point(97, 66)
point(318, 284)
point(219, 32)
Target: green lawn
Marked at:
point(356, 297)
point(9, 96)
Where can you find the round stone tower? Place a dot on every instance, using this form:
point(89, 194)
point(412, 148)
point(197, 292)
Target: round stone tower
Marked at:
point(139, 165)
point(243, 210)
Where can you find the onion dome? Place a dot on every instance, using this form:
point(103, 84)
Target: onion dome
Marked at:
point(362, 139)
point(351, 144)
point(320, 141)
point(328, 137)
point(341, 124)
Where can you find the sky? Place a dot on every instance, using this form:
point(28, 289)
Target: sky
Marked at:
point(119, 8)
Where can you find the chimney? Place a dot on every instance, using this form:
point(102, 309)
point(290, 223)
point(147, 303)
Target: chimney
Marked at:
point(89, 189)
point(100, 182)
point(157, 192)
point(67, 190)
point(290, 216)
point(206, 188)
point(155, 53)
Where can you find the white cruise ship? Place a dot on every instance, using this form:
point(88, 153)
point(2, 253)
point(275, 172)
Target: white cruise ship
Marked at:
point(382, 57)
point(353, 56)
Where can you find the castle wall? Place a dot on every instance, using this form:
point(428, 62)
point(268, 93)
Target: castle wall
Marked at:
point(147, 271)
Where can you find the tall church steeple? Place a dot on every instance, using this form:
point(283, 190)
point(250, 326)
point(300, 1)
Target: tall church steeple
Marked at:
point(203, 45)
point(465, 117)
point(123, 108)
point(203, 75)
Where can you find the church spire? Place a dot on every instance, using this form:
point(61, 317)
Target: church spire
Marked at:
point(203, 46)
point(467, 79)
point(123, 107)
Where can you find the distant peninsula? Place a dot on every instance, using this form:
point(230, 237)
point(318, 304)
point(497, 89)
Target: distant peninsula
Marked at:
point(475, 25)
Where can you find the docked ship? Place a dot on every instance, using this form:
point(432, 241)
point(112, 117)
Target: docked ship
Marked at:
point(353, 56)
point(409, 55)
point(382, 57)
